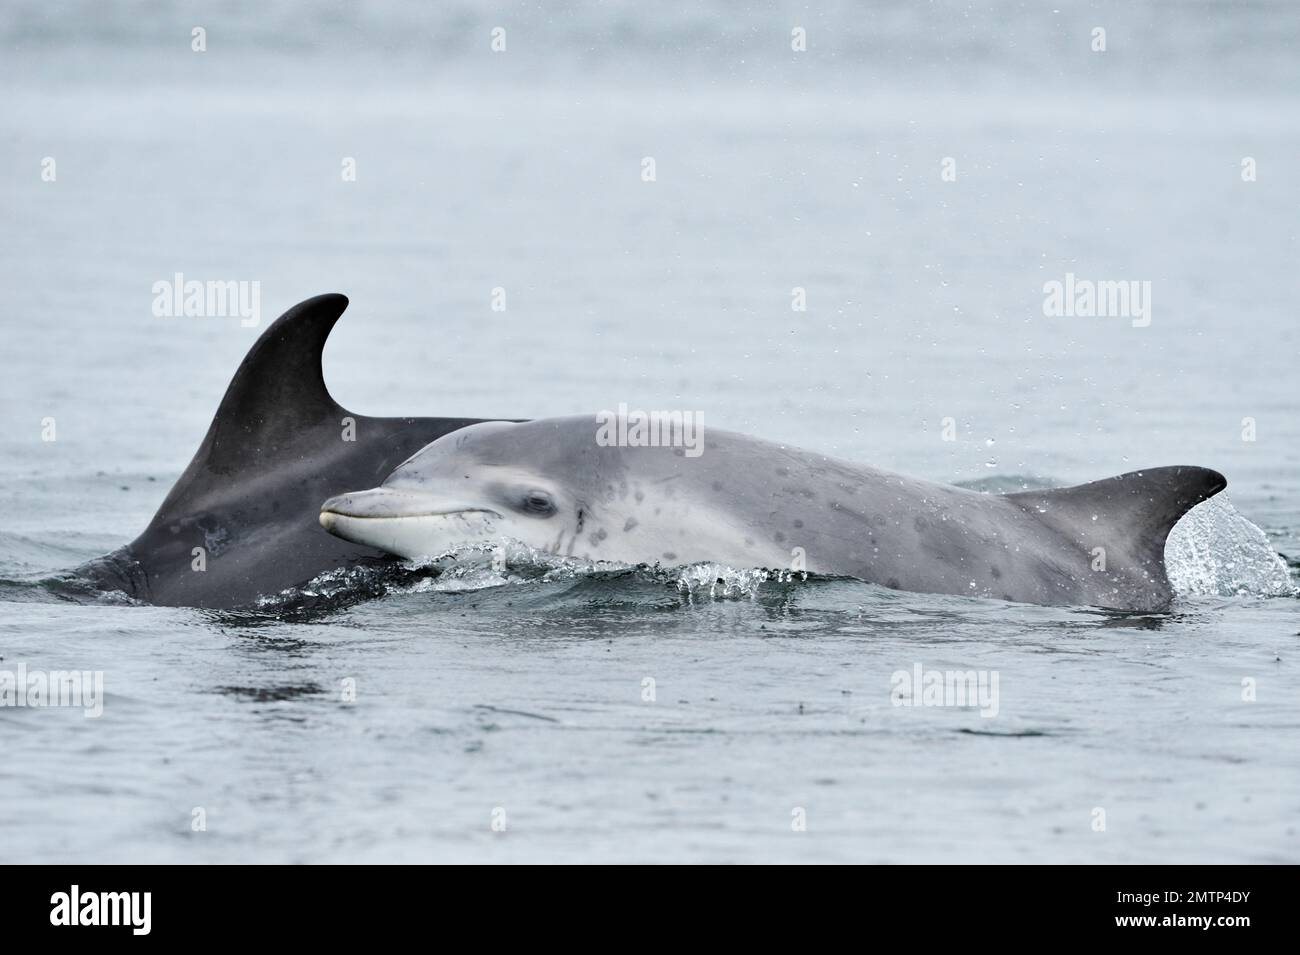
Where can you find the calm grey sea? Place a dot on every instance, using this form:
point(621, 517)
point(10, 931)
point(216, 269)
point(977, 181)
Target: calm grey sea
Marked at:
point(567, 713)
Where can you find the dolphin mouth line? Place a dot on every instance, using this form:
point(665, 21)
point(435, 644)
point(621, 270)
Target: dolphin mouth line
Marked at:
point(334, 512)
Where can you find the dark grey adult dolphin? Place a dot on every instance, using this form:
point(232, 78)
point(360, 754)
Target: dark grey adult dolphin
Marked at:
point(250, 497)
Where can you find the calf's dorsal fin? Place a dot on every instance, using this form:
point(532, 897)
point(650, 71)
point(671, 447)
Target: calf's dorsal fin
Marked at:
point(1130, 515)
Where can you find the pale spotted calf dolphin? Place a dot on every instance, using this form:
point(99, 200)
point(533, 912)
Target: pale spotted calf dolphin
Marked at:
point(744, 502)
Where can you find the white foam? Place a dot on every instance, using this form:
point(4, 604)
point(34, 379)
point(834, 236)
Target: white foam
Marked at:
point(1214, 551)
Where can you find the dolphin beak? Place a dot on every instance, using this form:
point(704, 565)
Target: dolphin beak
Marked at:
point(373, 503)
point(408, 523)
point(382, 502)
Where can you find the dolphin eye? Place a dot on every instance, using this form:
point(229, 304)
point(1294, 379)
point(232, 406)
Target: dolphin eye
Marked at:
point(537, 502)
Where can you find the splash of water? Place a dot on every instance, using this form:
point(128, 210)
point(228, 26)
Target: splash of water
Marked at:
point(1214, 551)
point(720, 582)
point(509, 562)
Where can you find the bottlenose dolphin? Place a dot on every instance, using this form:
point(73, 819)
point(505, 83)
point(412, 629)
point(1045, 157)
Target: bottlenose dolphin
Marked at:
point(553, 485)
point(249, 499)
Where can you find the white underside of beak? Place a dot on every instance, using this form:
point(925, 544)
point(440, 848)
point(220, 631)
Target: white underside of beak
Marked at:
point(409, 526)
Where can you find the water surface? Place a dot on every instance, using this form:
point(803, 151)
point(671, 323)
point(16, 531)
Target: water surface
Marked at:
point(524, 698)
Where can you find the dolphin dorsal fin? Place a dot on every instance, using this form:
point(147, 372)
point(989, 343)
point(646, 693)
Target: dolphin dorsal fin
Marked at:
point(251, 494)
point(1130, 515)
point(279, 390)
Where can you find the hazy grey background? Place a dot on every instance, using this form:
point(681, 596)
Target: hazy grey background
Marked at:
point(775, 169)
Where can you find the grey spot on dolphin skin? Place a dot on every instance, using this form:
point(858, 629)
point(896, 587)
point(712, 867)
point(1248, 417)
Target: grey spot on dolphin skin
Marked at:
point(996, 572)
point(669, 555)
point(892, 583)
point(779, 537)
point(630, 523)
point(717, 485)
point(783, 472)
point(580, 515)
point(639, 495)
point(797, 523)
point(920, 524)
